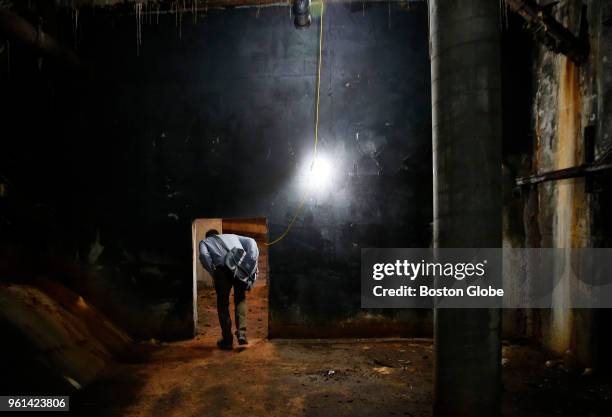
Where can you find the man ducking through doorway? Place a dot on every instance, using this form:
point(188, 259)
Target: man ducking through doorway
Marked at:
point(232, 262)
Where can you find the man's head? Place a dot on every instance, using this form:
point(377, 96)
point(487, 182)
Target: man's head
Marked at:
point(212, 232)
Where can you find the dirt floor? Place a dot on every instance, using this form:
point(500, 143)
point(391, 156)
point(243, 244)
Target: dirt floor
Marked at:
point(268, 378)
point(538, 384)
point(316, 378)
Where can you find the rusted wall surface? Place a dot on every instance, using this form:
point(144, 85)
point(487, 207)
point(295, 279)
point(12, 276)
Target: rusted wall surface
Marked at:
point(562, 214)
point(557, 125)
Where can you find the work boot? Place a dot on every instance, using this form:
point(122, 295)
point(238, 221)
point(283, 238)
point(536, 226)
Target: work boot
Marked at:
point(225, 344)
point(242, 340)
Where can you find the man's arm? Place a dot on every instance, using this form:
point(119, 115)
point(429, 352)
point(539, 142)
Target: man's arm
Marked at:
point(205, 258)
point(250, 246)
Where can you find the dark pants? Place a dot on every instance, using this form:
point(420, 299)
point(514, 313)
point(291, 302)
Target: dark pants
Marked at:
point(224, 282)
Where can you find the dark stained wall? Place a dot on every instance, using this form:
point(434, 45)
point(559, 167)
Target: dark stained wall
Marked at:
point(566, 101)
point(215, 118)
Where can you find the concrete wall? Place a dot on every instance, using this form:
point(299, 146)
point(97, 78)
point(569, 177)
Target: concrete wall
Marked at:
point(215, 118)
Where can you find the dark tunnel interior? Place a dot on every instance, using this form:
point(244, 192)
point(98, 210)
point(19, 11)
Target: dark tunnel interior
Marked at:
point(129, 129)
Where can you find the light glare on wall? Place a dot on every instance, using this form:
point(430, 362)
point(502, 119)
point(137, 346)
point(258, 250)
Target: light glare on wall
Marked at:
point(320, 175)
point(316, 177)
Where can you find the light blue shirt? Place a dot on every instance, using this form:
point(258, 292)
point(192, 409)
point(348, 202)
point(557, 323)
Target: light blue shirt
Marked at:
point(212, 254)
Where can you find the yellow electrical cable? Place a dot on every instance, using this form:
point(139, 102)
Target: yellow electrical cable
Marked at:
point(297, 213)
point(316, 140)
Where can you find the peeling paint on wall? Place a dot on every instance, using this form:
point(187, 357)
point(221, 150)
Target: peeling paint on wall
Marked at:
point(564, 104)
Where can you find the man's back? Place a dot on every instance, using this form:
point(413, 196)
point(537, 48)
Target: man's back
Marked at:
point(212, 253)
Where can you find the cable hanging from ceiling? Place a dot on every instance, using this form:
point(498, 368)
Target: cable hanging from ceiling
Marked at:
point(298, 211)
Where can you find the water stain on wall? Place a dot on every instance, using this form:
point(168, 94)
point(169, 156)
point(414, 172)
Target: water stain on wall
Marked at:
point(568, 123)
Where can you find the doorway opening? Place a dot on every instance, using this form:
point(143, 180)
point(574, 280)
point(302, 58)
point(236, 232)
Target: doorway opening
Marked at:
point(206, 321)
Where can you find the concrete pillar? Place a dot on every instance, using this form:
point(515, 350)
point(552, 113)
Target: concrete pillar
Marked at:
point(466, 115)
